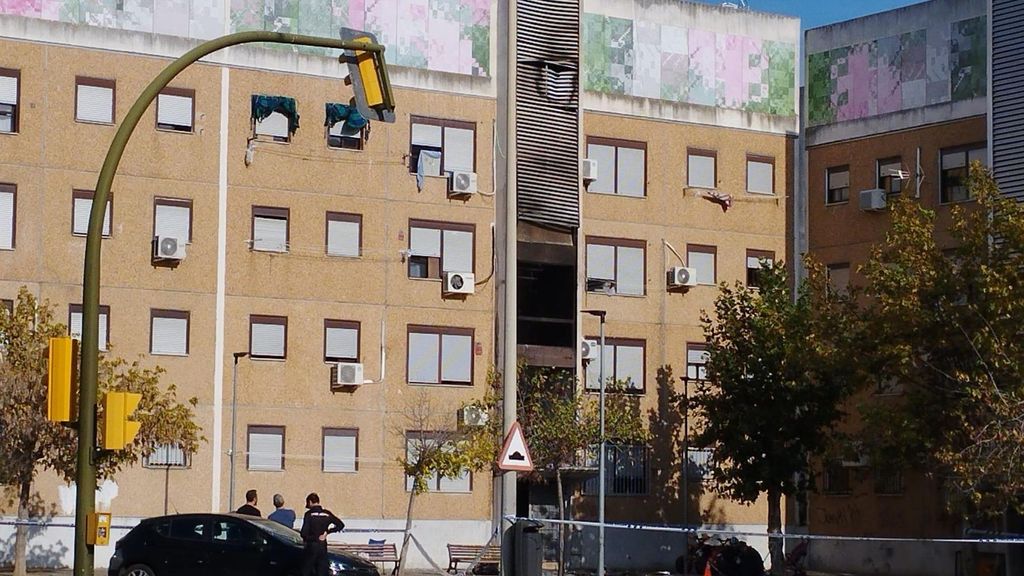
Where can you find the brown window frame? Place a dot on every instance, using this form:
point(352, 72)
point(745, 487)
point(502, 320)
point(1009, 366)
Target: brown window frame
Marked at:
point(441, 331)
point(268, 319)
point(79, 194)
point(258, 428)
point(176, 314)
point(169, 91)
point(104, 310)
point(617, 143)
point(342, 217)
point(426, 434)
point(829, 200)
point(944, 179)
point(759, 158)
point(16, 108)
point(177, 202)
point(414, 151)
point(442, 226)
point(98, 83)
point(350, 324)
point(326, 431)
point(272, 212)
point(617, 243)
point(885, 182)
point(706, 154)
point(616, 342)
point(828, 487)
point(704, 249)
point(760, 255)
point(12, 189)
point(695, 346)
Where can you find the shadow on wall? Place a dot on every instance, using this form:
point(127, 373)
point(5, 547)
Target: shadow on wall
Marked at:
point(50, 554)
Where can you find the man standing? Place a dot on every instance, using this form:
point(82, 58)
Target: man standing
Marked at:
point(281, 515)
point(316, 525)
point(249, 508)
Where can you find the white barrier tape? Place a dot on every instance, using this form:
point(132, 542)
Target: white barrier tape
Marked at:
point(682, 530)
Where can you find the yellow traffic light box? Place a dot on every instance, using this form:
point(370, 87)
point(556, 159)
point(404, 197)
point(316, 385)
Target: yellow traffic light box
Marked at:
point(98, 529)
point(368, 73)
point(118, 428)
point(62, 380)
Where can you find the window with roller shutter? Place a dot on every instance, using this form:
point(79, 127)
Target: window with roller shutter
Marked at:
point(341, 341)
point(701, 168)
point(95, 100)
point(344, 234)
point(703, 259)
point(75, 324)
point(418, 441)
point(169, 332)
point(616, 266)
point(265, 448)
point(621, 166)
point(453, 139)
point(760, 174)
point(172, 218)
point(81, 207)
point(268, 337)
point(624, 361)
point(340, 450)
point(175, 109)
point(269, 229)
point(10, 86)
point(8, 215)
point(440, 355)
point(439, 247)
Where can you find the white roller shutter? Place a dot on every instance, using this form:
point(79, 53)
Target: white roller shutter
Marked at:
point(605, 158)
point(174, 110)
point(95, 104)
point(170, 336)
point(6, 220)
point(270, 234)
point(9, 90)
point(600, 261)
point(267, 340)
point(458, 251)
point(456, 358)
point(339, 451)
point(700, 171)
point(760, 177)
point(82, 209)
point(460, 483)
point(275, 125)
point(704, 263)
point(425, 242)
point(75, 328)
point(342, 238)
point(426, 135)
point(423, 357)
point(629, 365)
point(266, 450)
point(458, 149)
point(341, 342)
point(629, 271)
point(173, 221)
point(631, 171)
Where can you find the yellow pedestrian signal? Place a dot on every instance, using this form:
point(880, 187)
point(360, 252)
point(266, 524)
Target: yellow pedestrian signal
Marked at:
point(62, 380)
point(118, 428)
point(368, 74)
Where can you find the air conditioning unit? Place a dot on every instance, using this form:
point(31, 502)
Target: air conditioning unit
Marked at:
point(346, 374)
point(462, 183)
point(872, 200)
point(860, 462)
point(680, 276)
point(588, 350)
point(459, 283)
point(168, 248)
point(473, 416)
point(588, 169)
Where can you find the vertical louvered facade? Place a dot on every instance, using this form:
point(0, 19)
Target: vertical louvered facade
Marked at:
point(1007, 123)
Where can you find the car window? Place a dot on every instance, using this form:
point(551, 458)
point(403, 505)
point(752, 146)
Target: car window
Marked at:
point(235, 532)
point(188, 528)
point(161, 527)
point(278, 531)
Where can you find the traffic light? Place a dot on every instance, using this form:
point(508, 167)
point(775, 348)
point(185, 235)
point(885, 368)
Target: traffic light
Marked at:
point(62, 380)
point(368, 74)
point(118, 428)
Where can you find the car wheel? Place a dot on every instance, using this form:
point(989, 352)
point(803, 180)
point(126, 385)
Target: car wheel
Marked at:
point(138, 570)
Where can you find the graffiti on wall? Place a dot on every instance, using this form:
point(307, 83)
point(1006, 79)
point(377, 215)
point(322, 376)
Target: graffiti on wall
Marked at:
point(686, 65)
point(911, 70)
point(442, 35)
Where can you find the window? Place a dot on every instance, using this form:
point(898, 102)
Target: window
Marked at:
point(269, 229)
point(344, 234)
point(624, 361)
point(235, 533)
point(625, 471)
point(450, 146)
point(703, 259)
point(7, 304)
point(266, 448)
point(188, 528)
point(167, 456)
point(439, 355)
point(268, 336)
point(175, 109)
point(94, 100)
point(836, 479)
point(172, 217)
point(81, 205)
point(837, 185)
point(340, 133)
point(760, 175)
point(340, 450)
point(415, 444)
point(75, 324)
point(168, 334)
point(889, 171)
point(274, 118)
point(341, 341)
point(839, 277)
point(889, 481)
point(10, 85)
point(698, 464)
point(621, 166)
point(8, 215)
point(757, 260)
point(617, 266)
point(437, 247)
point(701, 169)
point(696, 361)
point(956, 165)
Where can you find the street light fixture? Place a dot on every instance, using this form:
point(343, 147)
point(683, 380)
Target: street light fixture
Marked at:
point(234, 424)
point(600, 454)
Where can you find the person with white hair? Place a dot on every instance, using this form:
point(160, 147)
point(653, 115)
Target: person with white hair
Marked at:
point(281, 515)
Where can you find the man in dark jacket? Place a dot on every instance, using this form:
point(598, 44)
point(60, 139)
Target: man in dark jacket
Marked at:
point(316, 525)
point(249, 508)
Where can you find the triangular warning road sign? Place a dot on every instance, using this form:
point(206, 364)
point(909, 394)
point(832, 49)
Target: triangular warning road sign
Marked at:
point(514, 454)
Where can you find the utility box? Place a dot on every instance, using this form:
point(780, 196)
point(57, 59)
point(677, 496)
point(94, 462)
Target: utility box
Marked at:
point(98, 527)
point(522, 549)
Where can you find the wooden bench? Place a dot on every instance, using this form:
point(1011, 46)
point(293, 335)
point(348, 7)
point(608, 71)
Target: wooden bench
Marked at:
point(373, 552)
point(468, 553)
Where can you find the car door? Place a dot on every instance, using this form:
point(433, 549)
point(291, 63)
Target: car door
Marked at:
point(243, 550)
point(187, 550)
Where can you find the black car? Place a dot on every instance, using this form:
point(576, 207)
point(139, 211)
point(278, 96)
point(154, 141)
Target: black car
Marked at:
point(219, 545)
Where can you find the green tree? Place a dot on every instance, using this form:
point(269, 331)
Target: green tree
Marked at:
point(946, 318)
point(778, 372)
point(30, 443)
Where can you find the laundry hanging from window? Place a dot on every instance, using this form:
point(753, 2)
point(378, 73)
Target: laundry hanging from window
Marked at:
point(264, 106)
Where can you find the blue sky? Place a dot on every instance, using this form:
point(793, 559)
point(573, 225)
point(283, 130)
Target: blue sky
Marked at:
point(814, 13)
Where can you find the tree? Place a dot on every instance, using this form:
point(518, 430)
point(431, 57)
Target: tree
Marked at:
point(947, 316)
point(777, 374)
point(30, 443)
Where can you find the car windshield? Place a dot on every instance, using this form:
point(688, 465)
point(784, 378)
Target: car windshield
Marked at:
point(277, 530)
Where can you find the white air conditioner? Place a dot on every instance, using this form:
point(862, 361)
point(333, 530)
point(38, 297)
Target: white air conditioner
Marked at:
point(346, 374)
point(168, 248)
point(473, 416)
point(462, 183)
point(872, 200)
point(459, 283)
point(588, 169)
point(588, 350)
point(680, 276)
